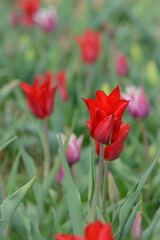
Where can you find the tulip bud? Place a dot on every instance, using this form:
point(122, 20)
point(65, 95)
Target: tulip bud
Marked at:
point(73, 148)
point(60, 175)
point(136, 231)
point(121, 66)
point(112, 189)
point(138, 106)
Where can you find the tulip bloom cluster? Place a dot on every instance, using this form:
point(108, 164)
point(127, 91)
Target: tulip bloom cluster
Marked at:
point(106, 124)
point(94, 231)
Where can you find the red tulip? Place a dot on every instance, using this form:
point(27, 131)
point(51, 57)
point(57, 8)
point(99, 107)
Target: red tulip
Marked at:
point(61, 79)
point(29, 8)
point(105, 116)
point(40, 97)
point(121, 65)
point(90, 45)
point(114, 150)
point(94, 231)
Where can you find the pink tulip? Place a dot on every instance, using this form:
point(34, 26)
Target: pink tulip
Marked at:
point(121, 66)
point(73, 148)
point(139, 106)
point(46, 18)
point(60, 175)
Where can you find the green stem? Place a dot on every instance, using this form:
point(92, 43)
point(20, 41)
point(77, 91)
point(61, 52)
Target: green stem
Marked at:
point(98, 185)
point(88, 82)
point(2, 187)
point(47, 150)
point(104, 194)
point(145, 140)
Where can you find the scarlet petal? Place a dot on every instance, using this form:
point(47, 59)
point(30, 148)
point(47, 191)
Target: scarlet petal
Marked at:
point(67, 237)
point(114, 95)
point(120, 107)
point(114, 150)
point(93, 230)
point(103, 102)
point(106, 233)
point(103, 131)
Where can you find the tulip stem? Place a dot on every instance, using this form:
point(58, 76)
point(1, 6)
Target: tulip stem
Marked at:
point(2, 187)
point(88, 82)
point(145, 141)
point(104, 194)
point(47, 150)
point(98, 185)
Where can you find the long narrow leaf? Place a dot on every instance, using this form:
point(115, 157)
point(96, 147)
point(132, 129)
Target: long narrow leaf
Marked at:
point(4, 145)
point(73, 196)
point(131, 198)
point(11, 203)
point(12, 176)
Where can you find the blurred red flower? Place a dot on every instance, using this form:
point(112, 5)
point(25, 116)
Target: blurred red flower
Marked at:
point(121, 65)
point(29, 8)
point(94, 231)
point(90, 45)
point(40, 97)
point(61, 79)
point(58, 79)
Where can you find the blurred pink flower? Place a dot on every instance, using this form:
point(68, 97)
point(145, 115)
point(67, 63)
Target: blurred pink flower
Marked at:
point(121, 65)
point(60, 175)
point(14, 17)
point(139, 106)
point(46, 18)
point(136, 231)
point(73, 148)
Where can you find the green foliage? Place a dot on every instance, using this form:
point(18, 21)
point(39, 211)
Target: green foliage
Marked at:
point(10, 204)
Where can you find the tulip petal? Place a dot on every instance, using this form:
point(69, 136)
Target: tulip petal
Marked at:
point(103, 102)
point(114, 96)
point(106, 233)
point(104, 129)
point(93, 230)
point(114, 150)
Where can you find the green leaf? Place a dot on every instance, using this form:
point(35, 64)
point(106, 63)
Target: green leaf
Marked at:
point(73, 196)
point(148, 232)
point(31, 170)
point(12, 176)
point(91, 184)
point(49, 181)
point(4, 145)
point(129, 223)
point(56, 221)
point(10, 204)
point(131, 198)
